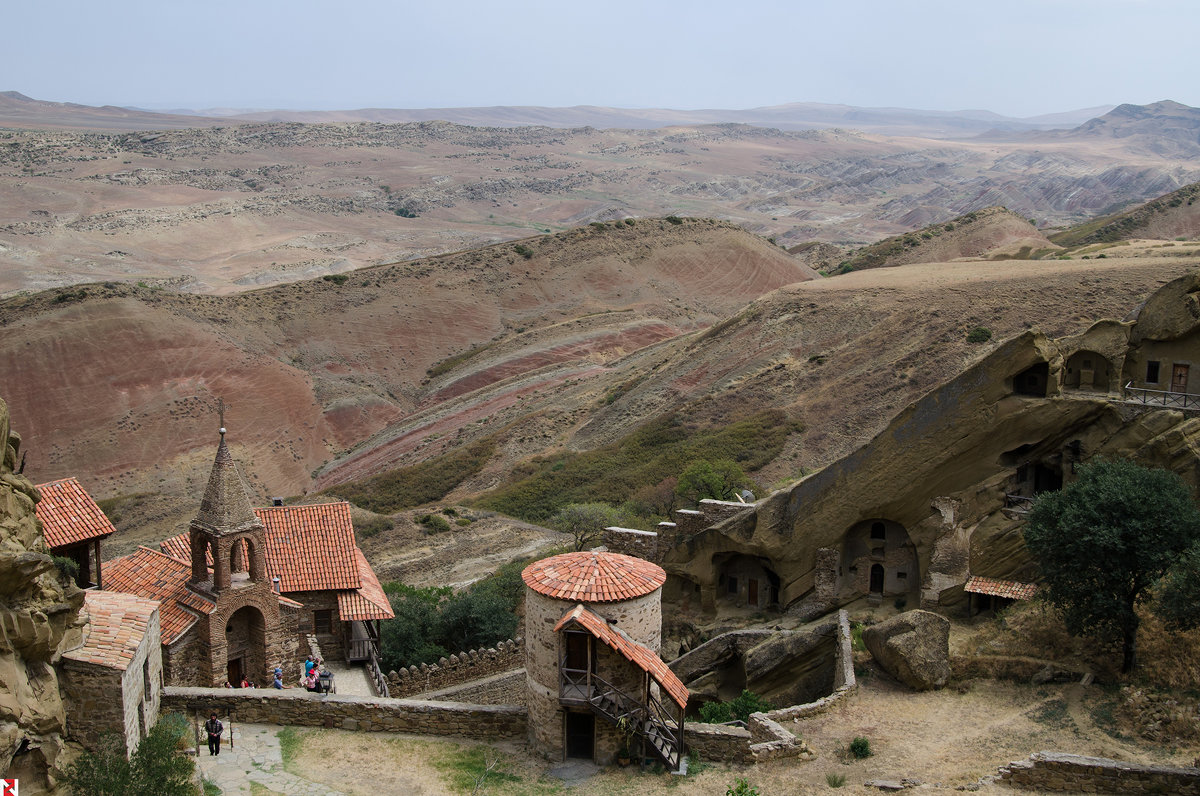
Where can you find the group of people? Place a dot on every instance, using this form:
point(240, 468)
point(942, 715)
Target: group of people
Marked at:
point(312, 674)
point(311, 682)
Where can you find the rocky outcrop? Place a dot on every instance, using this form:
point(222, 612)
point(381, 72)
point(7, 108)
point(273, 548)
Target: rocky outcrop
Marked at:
point(39, 619)
point(913, 647)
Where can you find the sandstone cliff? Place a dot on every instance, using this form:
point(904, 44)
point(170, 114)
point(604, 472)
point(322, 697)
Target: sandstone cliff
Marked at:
point(39, 619)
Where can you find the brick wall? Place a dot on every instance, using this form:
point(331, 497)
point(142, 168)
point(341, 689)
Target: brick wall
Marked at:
point(1053, 771)
point(185, 662)
point(460, 668)
point(293, 707)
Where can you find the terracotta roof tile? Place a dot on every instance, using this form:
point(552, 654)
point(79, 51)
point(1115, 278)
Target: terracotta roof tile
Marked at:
point(368, 601)
point(310, 548)
point(148, 573)
point(116, 627)
point(593, 577)
point(1011, 589)
point(69, 515)
point(643, 657)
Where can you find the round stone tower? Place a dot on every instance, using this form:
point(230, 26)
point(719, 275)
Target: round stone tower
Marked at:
point(581, 609)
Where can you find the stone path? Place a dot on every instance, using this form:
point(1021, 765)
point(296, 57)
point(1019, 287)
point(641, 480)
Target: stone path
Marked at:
point(254, 757)
point(350, 679)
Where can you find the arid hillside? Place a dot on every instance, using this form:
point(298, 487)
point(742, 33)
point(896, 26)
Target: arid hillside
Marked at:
point(993, 231)
point(116, 383)
point(1174, 216)
point(218, 210)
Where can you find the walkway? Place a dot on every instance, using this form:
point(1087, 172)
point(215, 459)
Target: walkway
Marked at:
point(350, 679)
point(254, 757)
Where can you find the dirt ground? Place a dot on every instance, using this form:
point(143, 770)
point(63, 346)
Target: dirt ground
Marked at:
point(947, 740)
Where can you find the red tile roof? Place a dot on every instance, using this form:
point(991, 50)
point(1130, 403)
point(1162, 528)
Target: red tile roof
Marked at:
point(1011, 589)
point(310, 548)
point(116, 628)
point(366, 602)
point(643, 657)
point(593, 577)
point(69, 515)
point(148, 573)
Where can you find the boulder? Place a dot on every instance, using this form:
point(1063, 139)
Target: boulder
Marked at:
point(913, 647)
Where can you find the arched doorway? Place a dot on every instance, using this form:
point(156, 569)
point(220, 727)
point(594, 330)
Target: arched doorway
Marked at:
point(1034, 380)
point(877, 558)
point(246, 645)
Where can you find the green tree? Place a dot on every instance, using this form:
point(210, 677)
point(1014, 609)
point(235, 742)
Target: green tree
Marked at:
point(158, 765)
point(1179, 593)
point(410, 637)
point(475, 618)
point(1104, 540)
point(719, 480)
point(586, 521)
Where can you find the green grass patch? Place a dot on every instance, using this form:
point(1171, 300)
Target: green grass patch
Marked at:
point(210, 788)
point(290, 744)
point(478, 769)
point(422, 483)
point(659, 449)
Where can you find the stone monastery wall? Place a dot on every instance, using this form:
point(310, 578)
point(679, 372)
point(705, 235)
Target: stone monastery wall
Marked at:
point(293, 707)
point(1052, 771)
point(460, 668)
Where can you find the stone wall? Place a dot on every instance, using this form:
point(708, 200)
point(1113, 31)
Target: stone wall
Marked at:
point(185, 661)
point(631, 542)
point(1053, 771)
point(459, 668)
point(333, 642)
point(501, 689)
point(294, 707)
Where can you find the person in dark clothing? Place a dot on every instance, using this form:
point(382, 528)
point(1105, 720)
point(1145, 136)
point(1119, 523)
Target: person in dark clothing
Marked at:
point(214, 728)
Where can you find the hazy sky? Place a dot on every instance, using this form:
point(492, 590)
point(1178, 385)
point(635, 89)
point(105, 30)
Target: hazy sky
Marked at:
point(1015, 57)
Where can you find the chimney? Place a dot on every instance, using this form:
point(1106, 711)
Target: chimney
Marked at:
point(276, 501)
point(275, 584)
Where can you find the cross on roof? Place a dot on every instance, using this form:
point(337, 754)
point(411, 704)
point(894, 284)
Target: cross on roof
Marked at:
point(221, 414)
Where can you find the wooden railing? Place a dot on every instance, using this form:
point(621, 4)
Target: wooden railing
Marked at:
point(1172, 400)
point(652, 722)
point(375, 672)
point(1019, 503)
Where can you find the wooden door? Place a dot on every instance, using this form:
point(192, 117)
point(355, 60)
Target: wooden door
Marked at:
point(876, 579)
point(1179, 378)
point(581, 735)
point(753, 589)
point(234, 671)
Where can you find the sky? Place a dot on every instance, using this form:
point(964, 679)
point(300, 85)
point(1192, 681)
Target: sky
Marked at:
point(1015, 57)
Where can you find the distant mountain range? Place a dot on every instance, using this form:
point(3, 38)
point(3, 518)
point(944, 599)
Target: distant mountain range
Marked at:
point(18, 110)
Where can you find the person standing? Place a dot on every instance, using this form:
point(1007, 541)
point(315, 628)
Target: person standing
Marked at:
point(214, 728)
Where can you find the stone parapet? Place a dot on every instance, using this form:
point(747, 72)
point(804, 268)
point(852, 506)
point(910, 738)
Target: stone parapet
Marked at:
point(462, 667)
point(294, 707)
point(631, 542)
point(1054, 771)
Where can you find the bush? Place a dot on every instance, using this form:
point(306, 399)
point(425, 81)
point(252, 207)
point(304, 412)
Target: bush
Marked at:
point(405, 212)
point(436, 523)
point(524, 251)
point(67, 566)
point(738, 709)
point(337, 279)
point(157, 766)
point(674, 219)
point(860, 747)
point(742, 788)
point(835, 780)
point(980, 334)
point(414, 486)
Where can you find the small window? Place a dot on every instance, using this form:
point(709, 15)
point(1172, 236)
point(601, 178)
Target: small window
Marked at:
point(901, 575)
point(731, 585)
point(878, 531)
point(148, 688)
point(323, 621)
point(1152, 373)
point(1087, 364)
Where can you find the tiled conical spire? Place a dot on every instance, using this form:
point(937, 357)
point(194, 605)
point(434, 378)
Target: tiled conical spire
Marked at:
point(225, 506)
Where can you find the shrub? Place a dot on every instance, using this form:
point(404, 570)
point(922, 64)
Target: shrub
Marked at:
point(835, 780)
point(67, 566)
point(405, 212)
point(337, 279)
point(674, 220)
point(365, 529)
point(436, 523)
point(157, 766)
point(980, 334)
point(738, 709)
point(742, 788)
point(860, 747)
point(414, 486)
point(524, 251)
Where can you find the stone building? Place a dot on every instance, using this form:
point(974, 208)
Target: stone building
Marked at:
point(243, 588)
point(74, 526)
point(593, 630)
point(113, 682)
